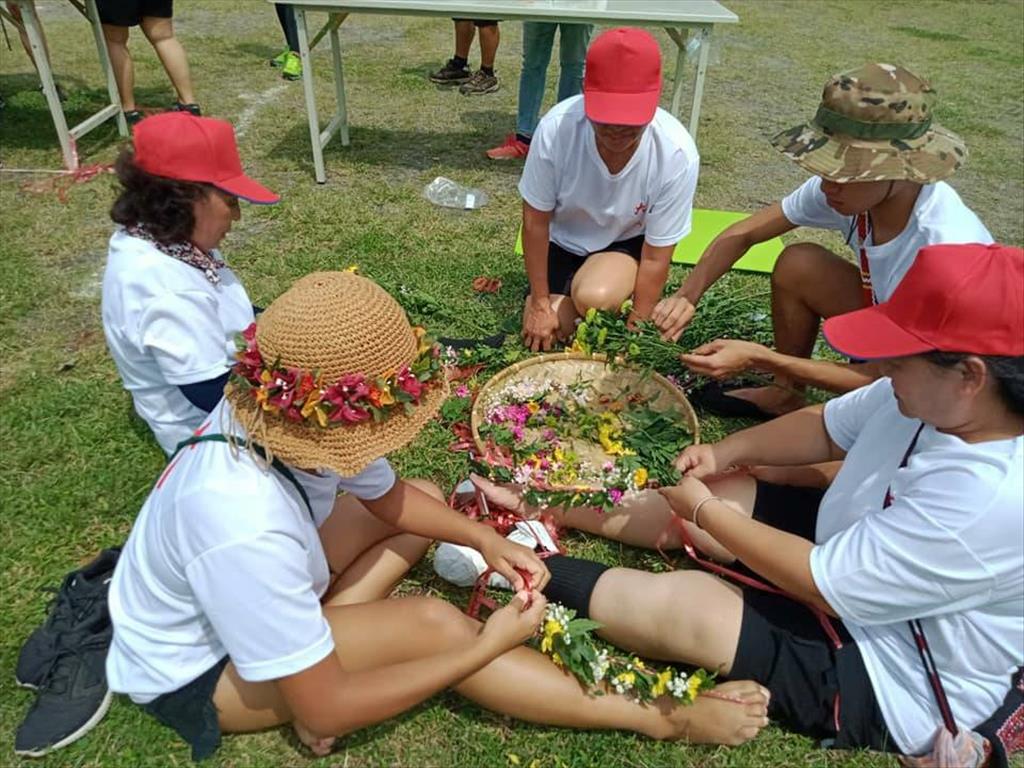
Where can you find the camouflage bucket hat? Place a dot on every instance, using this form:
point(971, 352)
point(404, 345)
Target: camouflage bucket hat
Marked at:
point(875, 124)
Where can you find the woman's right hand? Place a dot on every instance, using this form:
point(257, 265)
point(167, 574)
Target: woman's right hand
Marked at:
point(514, 624)
point(540, 324)
point(700, 461)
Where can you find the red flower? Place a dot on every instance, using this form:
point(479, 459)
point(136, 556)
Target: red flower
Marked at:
point(409, 384)
point(305, 385)
point(354, 386)
point(350, 415)
point(249, 334)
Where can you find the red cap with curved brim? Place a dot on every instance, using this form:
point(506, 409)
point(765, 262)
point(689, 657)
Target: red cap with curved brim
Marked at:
point(622, 78)
point(954, 298)
point(181, 146)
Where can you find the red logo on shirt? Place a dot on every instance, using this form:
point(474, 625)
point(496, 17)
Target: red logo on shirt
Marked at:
point(640, 208)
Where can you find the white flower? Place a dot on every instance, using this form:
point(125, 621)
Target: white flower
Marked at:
point(677, 686)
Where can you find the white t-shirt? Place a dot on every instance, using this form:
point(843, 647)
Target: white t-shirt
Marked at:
point(939, 216)
point(224, 559)
point(592, 208)
point(167, 325)
point(949, 551)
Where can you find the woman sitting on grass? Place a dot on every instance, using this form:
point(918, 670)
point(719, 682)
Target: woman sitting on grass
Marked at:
point(922, 524)
point(170, 305)
point(247, 597)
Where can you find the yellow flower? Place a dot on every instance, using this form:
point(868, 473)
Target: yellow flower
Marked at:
point(265, 377)
point(692, 687)
point(352, 268)
point(551, 629)
point(312, 399)
point(557, 659)
point(387, 397)
point(639, 664)
point(606, 435)
point(532, 407)
point(661, 684)
point(640, 477)
point(421, 338)
point(626, 677)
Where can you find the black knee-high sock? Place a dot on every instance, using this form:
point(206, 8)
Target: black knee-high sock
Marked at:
point(572, 582)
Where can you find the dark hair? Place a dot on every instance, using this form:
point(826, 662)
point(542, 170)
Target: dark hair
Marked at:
point(163, 205)
point(1007, 371)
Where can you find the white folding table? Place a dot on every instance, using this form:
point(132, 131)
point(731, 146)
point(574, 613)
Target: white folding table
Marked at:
point(677, 17)
point(67, 136)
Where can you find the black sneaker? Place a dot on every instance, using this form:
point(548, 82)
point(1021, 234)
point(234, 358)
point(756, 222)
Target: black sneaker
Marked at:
point(479, 84)
point(451, 74)
point(190, 108)
point(73, 695)
point(132, 116)
point(80, 604)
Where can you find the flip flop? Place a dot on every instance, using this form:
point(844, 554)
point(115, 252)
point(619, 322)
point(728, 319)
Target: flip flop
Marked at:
point(713, 397)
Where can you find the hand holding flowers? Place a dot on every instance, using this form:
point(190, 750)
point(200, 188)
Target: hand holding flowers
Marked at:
point(507, 558)
point(686, 496)
point(515, 623)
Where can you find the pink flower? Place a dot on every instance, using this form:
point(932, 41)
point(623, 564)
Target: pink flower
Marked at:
point(548, 434)
point(409, 384)
point(517, 433)
point(354, 386)
point(345, 412)
point(607, 466)
point(615, 495)
point(462, 391)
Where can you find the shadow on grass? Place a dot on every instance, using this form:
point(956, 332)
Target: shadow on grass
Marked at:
point(261, 51)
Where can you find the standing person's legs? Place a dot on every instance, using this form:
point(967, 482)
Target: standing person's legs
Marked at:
point(538, 38)
point(286, 17)
point(464, 32)
point(160, 33)
point(809, 283)
point(121, 62)
point(490, 36)
point(572, 53)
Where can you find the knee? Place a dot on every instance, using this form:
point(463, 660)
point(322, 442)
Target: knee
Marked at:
point(587, 294)
point(444, 622)
point(795, 266)
point(157, 30)
point(427, 487)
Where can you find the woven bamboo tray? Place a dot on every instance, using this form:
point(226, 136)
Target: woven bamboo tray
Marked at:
point(568, 367)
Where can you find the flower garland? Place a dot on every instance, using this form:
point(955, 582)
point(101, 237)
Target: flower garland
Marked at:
point(569, 642)
point(303, 396)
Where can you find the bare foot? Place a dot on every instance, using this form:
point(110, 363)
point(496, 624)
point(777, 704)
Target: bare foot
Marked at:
point(770, 399)
point(734, 713)
point(319, 745)
point(505, 496)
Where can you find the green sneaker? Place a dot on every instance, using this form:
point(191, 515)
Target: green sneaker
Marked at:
point(279, 60)
point(292, 69)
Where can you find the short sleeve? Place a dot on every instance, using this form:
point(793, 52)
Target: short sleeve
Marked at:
point(372, 483)
point(670, 217)
point(846, 415)
point(185, 336)
point(539, 182)
point(259, 598)
point(806, 207)
point(902, 562)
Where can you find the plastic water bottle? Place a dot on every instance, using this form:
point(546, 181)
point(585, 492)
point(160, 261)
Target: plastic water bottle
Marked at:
point(447, 193)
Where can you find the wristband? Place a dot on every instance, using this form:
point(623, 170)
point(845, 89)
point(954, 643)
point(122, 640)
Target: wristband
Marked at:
point(701, 503)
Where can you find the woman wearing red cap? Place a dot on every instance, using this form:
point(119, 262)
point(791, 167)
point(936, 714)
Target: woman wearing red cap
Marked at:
point(920, 535)
point(607, 192)
point(171, 307)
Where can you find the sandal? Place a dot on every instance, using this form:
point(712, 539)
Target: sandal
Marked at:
point(713, 397)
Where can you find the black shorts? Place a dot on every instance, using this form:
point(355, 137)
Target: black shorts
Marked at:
point(784, 647)
point(129, 13)
point(480, 22)
point(563, 265)
point(191, 713)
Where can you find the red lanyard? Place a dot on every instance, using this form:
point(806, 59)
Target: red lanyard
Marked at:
point(865, 267)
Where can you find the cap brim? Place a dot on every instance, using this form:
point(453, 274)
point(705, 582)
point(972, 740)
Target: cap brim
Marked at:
point(621, 108)
point(869, 334)
point(247, 189)
point(932, 157)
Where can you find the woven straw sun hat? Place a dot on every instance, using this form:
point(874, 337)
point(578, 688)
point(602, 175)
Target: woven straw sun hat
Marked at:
point(335, 323)
point(875, 123)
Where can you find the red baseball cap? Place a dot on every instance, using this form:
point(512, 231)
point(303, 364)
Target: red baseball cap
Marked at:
point(954, 298)
point(622, 79)
point(179, 145)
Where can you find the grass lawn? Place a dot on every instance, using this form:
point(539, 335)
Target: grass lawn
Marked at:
point(75, 465)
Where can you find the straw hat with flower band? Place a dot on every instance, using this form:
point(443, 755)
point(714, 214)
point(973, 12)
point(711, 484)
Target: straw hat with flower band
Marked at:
point(875, 124)
point(332, 375)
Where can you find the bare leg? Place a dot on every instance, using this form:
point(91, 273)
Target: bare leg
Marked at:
point(604, 281)
point(121, 62)
point(369, 556)
point(464, 31)
point(809, 283)
point(15, 11)
point(489, 39)
point(521, 683)
point(567, 315)
point(160, 33)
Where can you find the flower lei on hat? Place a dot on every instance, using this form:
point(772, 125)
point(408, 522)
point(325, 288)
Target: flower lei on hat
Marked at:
point(355, 398)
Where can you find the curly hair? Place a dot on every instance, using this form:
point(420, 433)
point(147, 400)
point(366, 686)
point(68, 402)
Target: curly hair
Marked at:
point(163, 205)
point(1007, 371)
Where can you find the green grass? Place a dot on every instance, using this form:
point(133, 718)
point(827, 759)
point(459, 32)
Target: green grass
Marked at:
point(75, 465)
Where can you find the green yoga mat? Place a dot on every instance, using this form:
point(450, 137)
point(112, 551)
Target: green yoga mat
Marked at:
point(707, 225)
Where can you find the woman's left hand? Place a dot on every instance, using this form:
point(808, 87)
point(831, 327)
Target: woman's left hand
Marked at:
point(507, 557)
point(682, 498)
